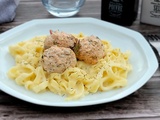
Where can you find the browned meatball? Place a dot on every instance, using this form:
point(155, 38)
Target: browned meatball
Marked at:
point(60, 39)
point(58, 59)
point(90, 49)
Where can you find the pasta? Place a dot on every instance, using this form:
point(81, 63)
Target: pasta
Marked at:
point(109, 73)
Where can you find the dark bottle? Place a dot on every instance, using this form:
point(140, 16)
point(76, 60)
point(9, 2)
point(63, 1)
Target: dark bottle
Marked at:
point(122, 12)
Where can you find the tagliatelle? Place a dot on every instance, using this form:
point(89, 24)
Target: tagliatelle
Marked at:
point(109, 73)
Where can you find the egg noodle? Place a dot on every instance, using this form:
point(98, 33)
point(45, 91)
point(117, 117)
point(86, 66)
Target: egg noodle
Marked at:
point(109, 73)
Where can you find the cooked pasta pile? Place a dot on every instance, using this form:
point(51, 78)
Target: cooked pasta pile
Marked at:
point(109, 73)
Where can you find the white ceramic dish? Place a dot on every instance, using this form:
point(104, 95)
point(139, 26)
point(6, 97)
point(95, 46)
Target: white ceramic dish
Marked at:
point(142, 58)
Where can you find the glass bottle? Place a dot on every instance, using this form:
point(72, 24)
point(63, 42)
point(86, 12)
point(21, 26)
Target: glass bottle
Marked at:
point(122, 12)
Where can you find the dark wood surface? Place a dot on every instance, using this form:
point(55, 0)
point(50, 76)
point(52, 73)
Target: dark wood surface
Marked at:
point(144, 104)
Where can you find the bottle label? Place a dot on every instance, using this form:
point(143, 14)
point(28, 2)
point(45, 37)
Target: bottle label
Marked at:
point(155, 12)
point(115, 8)
point(150, 12)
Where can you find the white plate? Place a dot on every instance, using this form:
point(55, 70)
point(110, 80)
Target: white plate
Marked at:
point(142, 58)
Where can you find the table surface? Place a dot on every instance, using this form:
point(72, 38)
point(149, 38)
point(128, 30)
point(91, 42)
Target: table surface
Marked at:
point(144, 104)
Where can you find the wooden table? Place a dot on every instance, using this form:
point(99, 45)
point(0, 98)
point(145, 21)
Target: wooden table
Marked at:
point(144, 104)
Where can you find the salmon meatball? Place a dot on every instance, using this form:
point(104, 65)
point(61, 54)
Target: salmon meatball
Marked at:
point(60, 39)
point(90, 49)
point(57, 59)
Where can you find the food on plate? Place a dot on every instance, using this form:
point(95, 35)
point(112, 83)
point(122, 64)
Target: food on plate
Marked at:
point(90, 49)
point(57, 59)
point(60, 39)
point(34, 72)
